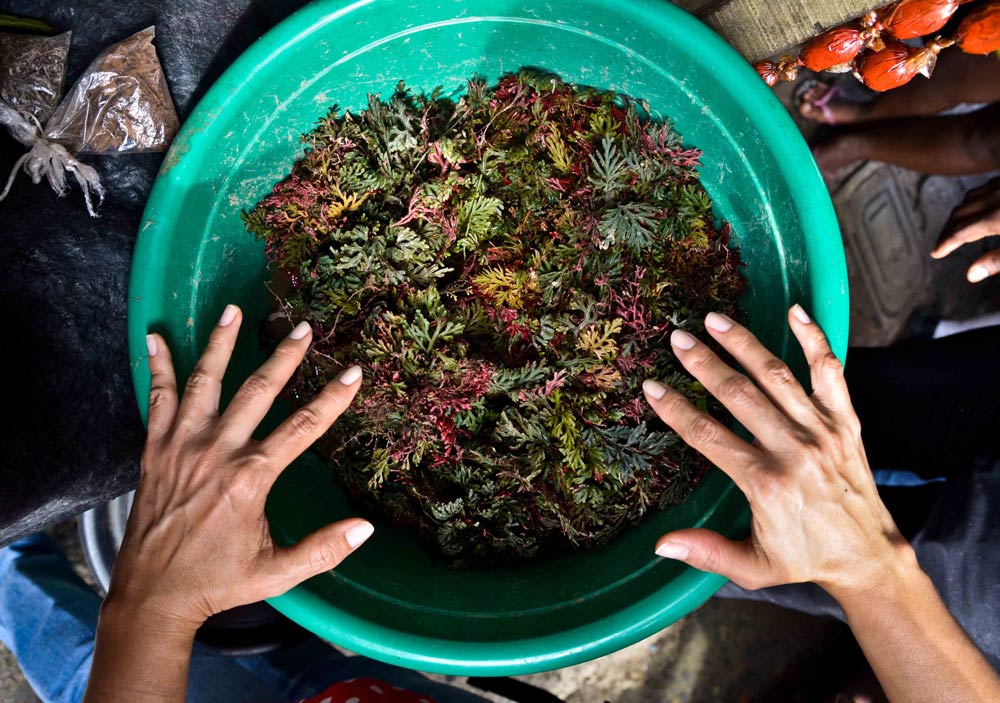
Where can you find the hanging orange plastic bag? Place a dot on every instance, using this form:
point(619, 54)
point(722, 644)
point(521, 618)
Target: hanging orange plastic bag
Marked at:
point(979, 32)
point(835, 49)
point(909, 19)
point(785, 68)
point(898, 63)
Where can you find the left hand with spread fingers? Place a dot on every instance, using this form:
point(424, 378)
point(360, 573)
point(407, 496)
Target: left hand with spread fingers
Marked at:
point(816, 513)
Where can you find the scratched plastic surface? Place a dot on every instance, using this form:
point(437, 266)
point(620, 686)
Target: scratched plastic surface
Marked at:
point(393, 600)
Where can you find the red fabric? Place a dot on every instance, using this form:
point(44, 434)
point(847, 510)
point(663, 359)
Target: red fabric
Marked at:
point(367, 690)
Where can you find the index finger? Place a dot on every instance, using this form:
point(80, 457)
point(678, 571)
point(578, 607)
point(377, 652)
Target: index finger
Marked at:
point(965, 231)
point(988, 187)
point(826, 371)
point(700, 431)
point(978, 200)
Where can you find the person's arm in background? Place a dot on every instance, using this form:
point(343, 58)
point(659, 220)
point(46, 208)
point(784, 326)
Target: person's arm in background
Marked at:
point(946, 145)
point(197, 540)
point(958, 78)
point(816, 513)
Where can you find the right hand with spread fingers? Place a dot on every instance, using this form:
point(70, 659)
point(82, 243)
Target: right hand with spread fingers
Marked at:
point(817, 515)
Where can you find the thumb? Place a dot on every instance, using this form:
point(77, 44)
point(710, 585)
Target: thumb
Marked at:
point(322, 550)
point(985, 266)
point(706, 550)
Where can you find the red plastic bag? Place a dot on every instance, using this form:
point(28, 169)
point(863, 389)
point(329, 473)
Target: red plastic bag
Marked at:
point(979, 32)
point(367, 690)
point(785, 68)
point(835, 49)
point(909, 19)
point(898, 63)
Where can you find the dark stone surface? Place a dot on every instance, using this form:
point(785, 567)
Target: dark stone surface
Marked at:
point(73, 434)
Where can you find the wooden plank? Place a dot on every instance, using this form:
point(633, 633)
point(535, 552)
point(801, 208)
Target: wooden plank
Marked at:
point(761, 28)
point(699, 7)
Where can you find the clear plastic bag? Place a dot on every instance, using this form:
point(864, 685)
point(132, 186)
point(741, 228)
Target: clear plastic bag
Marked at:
point(120, 104)
point(32, 71)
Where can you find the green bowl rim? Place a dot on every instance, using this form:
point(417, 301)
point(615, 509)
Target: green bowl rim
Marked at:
point(828, 285)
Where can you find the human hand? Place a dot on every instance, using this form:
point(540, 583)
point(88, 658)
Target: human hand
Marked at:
point(976, 218)
point(197, 540)
point(816, 514)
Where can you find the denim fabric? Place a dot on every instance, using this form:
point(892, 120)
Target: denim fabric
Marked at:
point(48, 618)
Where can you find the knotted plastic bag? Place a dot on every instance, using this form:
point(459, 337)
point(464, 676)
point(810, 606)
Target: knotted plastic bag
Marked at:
point(783, 69)
point(49, 160)
point(834, 50)
point(910, 19)
point(898, 63)
point(120, 104)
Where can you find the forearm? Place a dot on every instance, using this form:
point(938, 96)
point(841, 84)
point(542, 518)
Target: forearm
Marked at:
point(918, 98)
point(138, 658)
point(951, 145)
point(958, 78)
point(914, 645)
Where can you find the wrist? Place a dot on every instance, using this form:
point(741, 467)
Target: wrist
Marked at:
point(119, 615)
point(139, 655)
point(885, 579)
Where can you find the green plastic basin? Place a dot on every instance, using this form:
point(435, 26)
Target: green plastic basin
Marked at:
point(393, 600)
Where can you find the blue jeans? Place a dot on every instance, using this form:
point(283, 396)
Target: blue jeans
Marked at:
point(48, 618)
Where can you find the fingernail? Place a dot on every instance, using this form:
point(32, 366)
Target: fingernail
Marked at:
point(800, 314)
point(151, 345)
point(673, 550)
point(654, 389)
point(978, 273)
point(350, 375)
point(300, 331)
point(682, 340)
point(357, 533)
point(228, 315)
point(718, 322)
